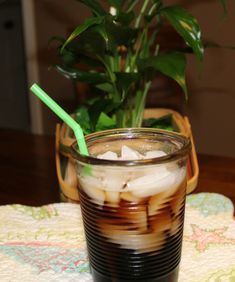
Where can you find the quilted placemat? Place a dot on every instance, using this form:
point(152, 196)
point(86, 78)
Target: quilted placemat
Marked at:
point(47, 243)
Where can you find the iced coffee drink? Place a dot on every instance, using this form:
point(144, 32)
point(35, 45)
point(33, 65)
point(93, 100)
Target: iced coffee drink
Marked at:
point(132, 192)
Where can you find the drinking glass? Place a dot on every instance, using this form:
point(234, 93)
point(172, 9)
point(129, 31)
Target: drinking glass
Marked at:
point(133, 209)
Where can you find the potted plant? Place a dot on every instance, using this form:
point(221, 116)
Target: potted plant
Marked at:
point(117, 53)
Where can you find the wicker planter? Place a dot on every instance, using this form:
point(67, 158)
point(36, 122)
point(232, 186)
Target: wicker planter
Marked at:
point(65, 165)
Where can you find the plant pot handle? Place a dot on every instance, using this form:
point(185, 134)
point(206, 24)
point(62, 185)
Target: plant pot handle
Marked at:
point(68, 184)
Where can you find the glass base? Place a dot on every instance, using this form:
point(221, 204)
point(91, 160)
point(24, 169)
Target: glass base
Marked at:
point(171, 277)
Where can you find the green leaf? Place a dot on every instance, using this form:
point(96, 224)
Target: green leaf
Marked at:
point(101, 30)
point(164, 122)
point(105, 122)
point(99, 105)
point(94, 5)
point(154, 11)
point(83, 119)
point(81, 28)
point(171, 64)
point(118, 34)
point(187, 26)
point(116, 3)
point(106, 87)
point(125, 18)
point(75, 74)
point(90, 43)
point(124, 80)
point(69, 58)
point(91, 62)
point(76, 53)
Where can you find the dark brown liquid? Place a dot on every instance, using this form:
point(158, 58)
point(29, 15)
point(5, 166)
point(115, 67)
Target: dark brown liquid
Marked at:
point(135, 241)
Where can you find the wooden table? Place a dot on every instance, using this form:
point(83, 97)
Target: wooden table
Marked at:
point(28, 174)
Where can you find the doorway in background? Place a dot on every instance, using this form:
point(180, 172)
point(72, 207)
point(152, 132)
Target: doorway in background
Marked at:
point(14, 106)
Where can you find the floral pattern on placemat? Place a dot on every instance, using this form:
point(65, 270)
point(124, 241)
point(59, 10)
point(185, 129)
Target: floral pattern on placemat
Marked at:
point(48, 257)
point(37, 213)
point(47, 243)
point(210, 203)
point(208, 253)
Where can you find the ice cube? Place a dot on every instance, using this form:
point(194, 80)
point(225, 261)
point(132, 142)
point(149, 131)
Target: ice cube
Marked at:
point(157, 202)
point(177, 201)
point(109, 155)
point(132, 239)
point(129, 197)
point(129, 154)
point(92, 187)
point(136, 217)
point(154, 154)
point(161, 200)
point(161, 221)
point(112, 197)
point(160, 181)
point(114, 179)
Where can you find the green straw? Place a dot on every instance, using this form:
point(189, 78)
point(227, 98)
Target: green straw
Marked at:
point(43, 96)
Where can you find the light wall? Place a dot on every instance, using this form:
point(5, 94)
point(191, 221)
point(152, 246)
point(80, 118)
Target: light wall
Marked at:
point(211, 107)
point(54, 18)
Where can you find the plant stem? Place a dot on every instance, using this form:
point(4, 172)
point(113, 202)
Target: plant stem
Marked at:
point(134, 57)
point(112, 76)
point(152, 9)
point(132, 5)
point(144, 34)
point(145, 4)
point(140, 104)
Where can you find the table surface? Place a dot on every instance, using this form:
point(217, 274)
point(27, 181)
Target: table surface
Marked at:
point(28, 173)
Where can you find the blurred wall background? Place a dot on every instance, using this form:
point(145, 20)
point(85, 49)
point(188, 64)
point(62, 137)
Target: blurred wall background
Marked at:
point(211, 105)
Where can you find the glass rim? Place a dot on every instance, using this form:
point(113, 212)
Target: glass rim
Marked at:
point(130, 133)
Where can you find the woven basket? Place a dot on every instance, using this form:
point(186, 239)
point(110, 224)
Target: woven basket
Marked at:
point(65, 164)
